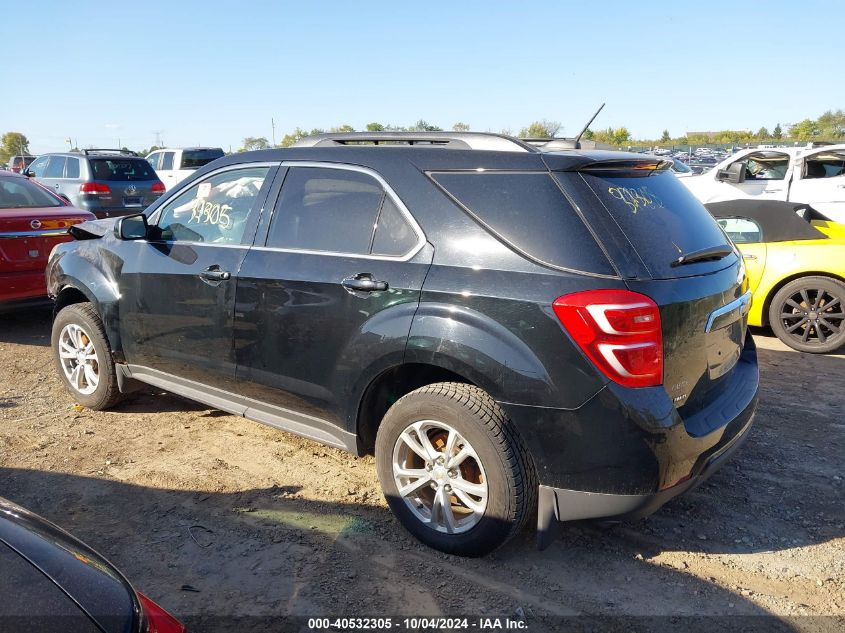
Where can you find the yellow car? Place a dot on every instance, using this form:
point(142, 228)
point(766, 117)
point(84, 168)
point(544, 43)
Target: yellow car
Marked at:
point(795, 262)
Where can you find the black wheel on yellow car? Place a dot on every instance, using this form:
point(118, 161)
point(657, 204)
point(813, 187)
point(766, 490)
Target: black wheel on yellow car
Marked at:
point(808, 314)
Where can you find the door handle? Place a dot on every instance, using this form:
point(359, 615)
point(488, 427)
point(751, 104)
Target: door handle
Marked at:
point(364, 282)
point(748, 256)
point(215, 274)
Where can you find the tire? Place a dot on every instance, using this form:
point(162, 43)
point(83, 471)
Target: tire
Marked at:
point(78, 327)
point(486, 454)
point(807, 312)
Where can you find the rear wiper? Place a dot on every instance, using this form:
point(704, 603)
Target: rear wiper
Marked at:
point(710, 253)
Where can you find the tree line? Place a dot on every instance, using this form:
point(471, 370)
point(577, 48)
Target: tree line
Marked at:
point(830, 126)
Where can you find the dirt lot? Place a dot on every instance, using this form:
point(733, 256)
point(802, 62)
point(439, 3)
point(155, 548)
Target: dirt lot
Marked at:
point(213, 514)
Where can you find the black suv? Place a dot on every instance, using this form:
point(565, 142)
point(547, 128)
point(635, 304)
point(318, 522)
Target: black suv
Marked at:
point(509, 328)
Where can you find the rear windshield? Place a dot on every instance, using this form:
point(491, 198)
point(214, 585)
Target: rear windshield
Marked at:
point(659, 216)
point(529, 212)
point(194, 159)
point(122, 169)
point(23, 194)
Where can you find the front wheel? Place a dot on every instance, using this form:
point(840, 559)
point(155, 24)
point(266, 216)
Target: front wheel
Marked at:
point(83, 357)
point(808, 314)
point(453, 469)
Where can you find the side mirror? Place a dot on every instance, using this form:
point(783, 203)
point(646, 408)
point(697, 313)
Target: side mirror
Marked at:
point(28, 173)
point(734, 174)
point(131, 227)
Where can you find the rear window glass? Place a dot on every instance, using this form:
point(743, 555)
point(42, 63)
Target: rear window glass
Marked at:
point(122, 169)
point(23, 194)
point(659, 216)
point(195, 159)
point(529, 212)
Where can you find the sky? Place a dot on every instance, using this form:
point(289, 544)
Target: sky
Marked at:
point(212, 73)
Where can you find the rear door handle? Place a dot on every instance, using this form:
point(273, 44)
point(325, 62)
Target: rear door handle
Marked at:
point(748, 256)
point(215, 274)
point(364, 282)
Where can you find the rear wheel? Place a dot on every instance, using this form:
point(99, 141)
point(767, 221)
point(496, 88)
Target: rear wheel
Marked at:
point(83, 356)
point(808, 314)
point(453, 469)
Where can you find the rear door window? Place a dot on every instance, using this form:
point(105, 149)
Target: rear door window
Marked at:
point(530, 213)
point(167, 160)
point(327, 210)
point(55, 167)
point(72, 168)
point(659, 217)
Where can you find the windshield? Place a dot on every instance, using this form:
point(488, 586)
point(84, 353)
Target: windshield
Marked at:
point(194, 159)
point(23, 194)
point(122, 169)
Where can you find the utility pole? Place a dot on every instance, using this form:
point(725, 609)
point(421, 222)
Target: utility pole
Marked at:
point(158, 137)
point(273, 125)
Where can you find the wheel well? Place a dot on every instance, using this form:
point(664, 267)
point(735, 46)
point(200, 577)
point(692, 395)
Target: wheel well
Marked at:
point(387, 388)
point(67, 296)
point(786, 280)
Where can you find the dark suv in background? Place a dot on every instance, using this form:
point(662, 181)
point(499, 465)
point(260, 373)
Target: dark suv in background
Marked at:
point(508, 328)
point(107, 183)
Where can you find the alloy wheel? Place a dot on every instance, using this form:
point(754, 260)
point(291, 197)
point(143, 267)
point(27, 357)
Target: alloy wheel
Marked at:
point(813, 316)
point(79, 359)
point(440, 477)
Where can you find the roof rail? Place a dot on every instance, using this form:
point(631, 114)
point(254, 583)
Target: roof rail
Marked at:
point(123, 152)
point(450, 140)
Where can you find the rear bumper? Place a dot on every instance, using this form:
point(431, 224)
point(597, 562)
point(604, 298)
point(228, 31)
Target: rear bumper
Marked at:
point(627, 452)
point(556, 504)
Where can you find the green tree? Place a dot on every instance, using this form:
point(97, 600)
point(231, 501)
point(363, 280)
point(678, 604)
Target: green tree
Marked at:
point(255, 142)
point(424, 126)
point(375, 127)
point(460, 127)
point(832, 124)
point(613, 136)
point(11, 144)
point(777, 133)
point(342, 128)
point(665, 138)
point(804, 130)
point(763, 134)
point(540, 129)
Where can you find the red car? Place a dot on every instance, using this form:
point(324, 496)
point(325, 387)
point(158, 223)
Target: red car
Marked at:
point(32, 221)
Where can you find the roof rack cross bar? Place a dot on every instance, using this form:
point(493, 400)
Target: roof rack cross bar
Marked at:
point(450, 140)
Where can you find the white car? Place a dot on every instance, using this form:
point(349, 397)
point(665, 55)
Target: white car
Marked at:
point(174, 165)
point(810, 175)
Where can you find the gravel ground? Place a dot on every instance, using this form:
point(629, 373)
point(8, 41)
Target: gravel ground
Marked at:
point(212, 514)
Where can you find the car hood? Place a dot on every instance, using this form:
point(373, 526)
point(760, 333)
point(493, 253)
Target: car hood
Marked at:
point(93, 583)
point(93, 229)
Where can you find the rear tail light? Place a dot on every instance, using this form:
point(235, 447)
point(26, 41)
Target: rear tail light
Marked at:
point(157, 619)
point(619, 331)
point(158, 187)
point(95, 188)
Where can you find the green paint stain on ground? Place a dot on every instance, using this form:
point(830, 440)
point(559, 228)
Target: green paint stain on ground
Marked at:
point(338, 524)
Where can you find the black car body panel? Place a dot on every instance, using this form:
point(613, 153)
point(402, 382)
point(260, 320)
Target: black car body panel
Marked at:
point(285, 340)
point(83, 591)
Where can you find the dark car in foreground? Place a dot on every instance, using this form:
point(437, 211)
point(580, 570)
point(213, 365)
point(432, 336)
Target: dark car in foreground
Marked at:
point(51, 582)
point(108, 183)
point(509, 329)
point(32, 221)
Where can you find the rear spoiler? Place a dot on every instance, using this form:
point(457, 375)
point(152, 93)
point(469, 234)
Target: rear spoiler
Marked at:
point(638, 166)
